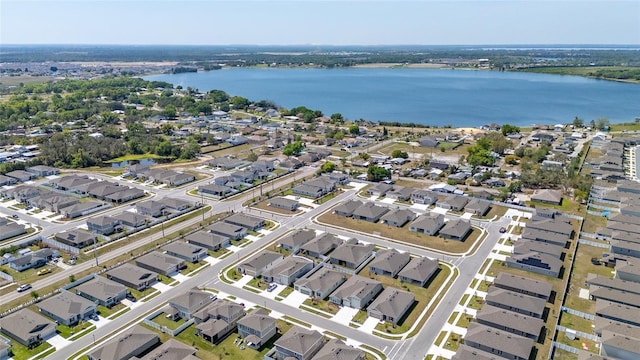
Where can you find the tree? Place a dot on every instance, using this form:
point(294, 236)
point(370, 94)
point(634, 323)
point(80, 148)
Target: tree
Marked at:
point(511, 159)
point(35, 295)
point(167, 128)
point(337, 117)
point(218, 96)
point(327, 167)
point(252, 156)
point(239, 102)
point(507, 129)
point(170, 112)
point(399, 154)
point(577, 122)
point(499, 143)
point(602, 124)
point(377, 173)
point(354, 130)
point(295, 148)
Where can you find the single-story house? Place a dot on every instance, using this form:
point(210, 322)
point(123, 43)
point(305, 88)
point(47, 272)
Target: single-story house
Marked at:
point(233, 232)
point(288, 270)
point(133, 276)
point(321, 283)
point(536, 262)
point(260, 263)
point(498, 342)
point(357, 292)
point(379, 189)
point(456, 230)
point(547, 196)
point(246, 221)
point(419, 271)
point(217, 191)
point(453, 202)
point(427, 224)
point(369, 212)
point(52, 201)
point(321, 245)
point(283, 203)
point(347, 208)
point(11, 229)
point(477, 207)
point(351, 255)
point(389, 262)
point(293, 241)
point(208, 240)
point(161, 263)
point(103, 291)
point(67, 308)
point(33, 259)
point(21, 175)
point(510, 321)
point(398, 217)
point(131, 219)
point(76, 238)
point(80, 209)
point(335, 349)
point(186, 251)
point(391, 306)
point(400, 193)
point(512, 301)
point(131, 343)
point(523, 285)
point(27, 327)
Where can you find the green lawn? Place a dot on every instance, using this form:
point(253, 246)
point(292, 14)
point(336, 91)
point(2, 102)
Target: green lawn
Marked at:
point(21, 352)
point(135, 157)
point(167, 280)
point(193, 267)
point(162, 320)
point(68, 331)
point(323, 305)
point(106, 312)
point(218, 253)
point(140, 294)
point(285, 292)
point(257, 283)
point(360, 317)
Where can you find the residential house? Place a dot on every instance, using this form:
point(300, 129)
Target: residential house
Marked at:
point(466, 352)
point(357, 292)
point(547, 196)
point(477, 207)
point(225, 163)
point(70, 182)
point(283, 203)
point(161, 263)
point(287, 271)
point(80, 209)
point(524, 246)
point(398, 217)
point(391, 305)
point(619, 346)
point(233, 232)
point(625, 248)
point(133, 276)
point(543, 236)
point(52, 201)
point(335, 349)
point(186, 251)
point(33, 259)
point(618, 312)
point(103, 291)
point(102, 224)
point(298, 343)
point(27, 327)
point(76, 238)
point(21, 175)
point(497, 342)
point(5, 180)
point(250, 222)
point(217, 191)
point(124, 195)
point(509, 321)
point(175, 204)
point(513, 301)
point(347, 208)
point(190, 302)
point(389, 262)
point(131, 219)
point(150, 208)
point(207, 240)
point(379, 189)
point(11, 229)
point(321, 283)
point(257, 328)
point(419, 271)
point(536, 262)
point(429, 141)
point(338, 177)
point(523, 285)
point(260, 263)
point(453, 202)
point(400, 193)
point(21, 193)
point(628, 269)
point(171, 349)
point(217, 320)
point(294, 240)
point(131, 343)
point(101, 189)
point(424, 197)
point(321, 245)
point(369, 211)
point(67, 308)
point(427, 224)
point(351, 256)
point(455, 230)
point(315, 187)
point(263, 165)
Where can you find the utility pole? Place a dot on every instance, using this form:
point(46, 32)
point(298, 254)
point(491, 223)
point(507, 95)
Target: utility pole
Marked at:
point(95, 250)
point(162, 223)
point(202, 203)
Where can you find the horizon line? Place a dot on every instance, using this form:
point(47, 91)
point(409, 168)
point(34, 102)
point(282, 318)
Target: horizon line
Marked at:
point(330, 45)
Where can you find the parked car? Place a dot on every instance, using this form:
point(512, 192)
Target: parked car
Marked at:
point(14, 216)
point(95, 317)
point(44, 271)
point(130, 297)
point(24, 287)
point(71, 262)
point(272, 287)
point(503, 230)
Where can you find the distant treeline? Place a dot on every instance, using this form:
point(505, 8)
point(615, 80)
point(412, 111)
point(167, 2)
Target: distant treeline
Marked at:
point(411, 125)
point(326, 56)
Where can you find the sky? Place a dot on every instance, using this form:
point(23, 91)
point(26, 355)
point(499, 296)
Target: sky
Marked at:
point(315, 22)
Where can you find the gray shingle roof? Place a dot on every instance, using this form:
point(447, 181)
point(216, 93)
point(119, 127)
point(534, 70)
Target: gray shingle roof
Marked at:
point(420, 269)
point(335, 349)
point(297, 238)
point(193, 299)
point(370, 210)
point(357, 286)
point(299, 340)
point(66, 305)
point(392, 302)
point(457, 228)
point(519, 282)
point(322, 280)
point(390, 260)
point(499, 340)
point(510, 319)
point(26, 324)
point(129, 342)
point(516, 300)
point(101, 288)
point(352, 253)
point(262, 259)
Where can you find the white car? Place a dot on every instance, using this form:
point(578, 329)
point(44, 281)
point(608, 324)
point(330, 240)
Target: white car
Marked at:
point(24, 287)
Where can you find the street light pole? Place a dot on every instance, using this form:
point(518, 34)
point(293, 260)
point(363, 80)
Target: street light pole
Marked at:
point(95, 250)
point(202, 203)
point(162, 224)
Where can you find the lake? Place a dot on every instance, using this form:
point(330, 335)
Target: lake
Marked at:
point(461, 98)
